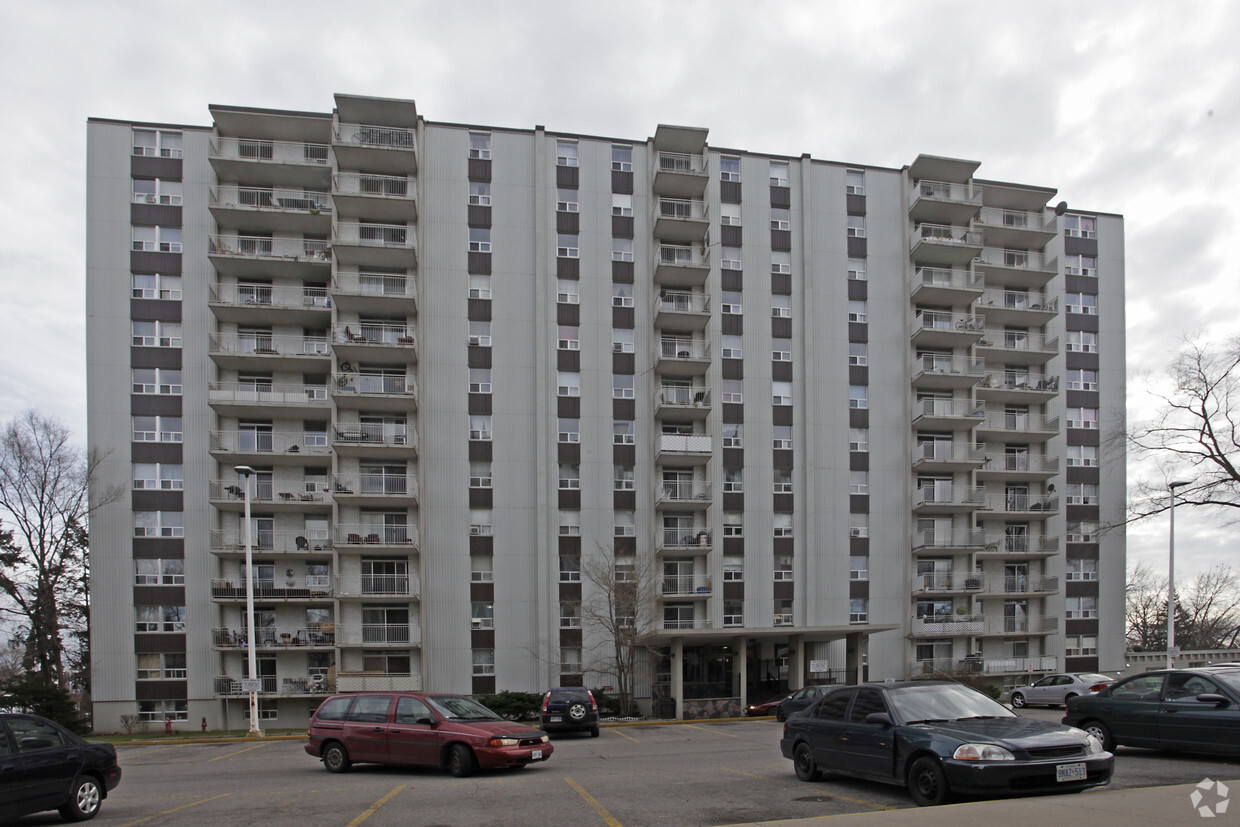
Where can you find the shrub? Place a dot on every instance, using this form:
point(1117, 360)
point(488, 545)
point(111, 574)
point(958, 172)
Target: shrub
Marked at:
point(28, 692)
point(514, 706)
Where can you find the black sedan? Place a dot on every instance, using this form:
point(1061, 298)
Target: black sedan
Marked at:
point(798, 700)
point(939, 738)
point(1196, 710)
point(44, 766)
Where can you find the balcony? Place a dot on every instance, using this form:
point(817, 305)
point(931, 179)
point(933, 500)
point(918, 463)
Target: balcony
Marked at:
point(933, 542)
point(944, 202)
point(938, 328)
point(688, 585)
point(944, 245)
point(370, 537)
point(1018, 506)
point(680, 175)
point(1018, 308)
point(270, 163)
point(267, 541)
point(250, 209)
point(681, 265)
point(374, 392)
point(681, 311)
point(379, 149)
point(260, 447)
point(378, 293)
point(684, 494)
point(680, 542)
point(246, 398)
point(1001, 626)
point(676, 403)
point(1021, 586)
point(262, 304)
point(257, 256)
point(1017, 347)
point(1019, 387)
point(377, 585)
point(375, 439)
point(278, 495)
point(1016, 228)
point(1019, 546)
point(947, 583)
point(379, 634)
point(683, 357)
point(249, 351)
point(940, 456)
point(680, 450)
point(305, 588)
point(272, 637)
point(668, 624)
point(379, 197)
point(376, 343)
point(364, 244)
point(947, 414)
point(1018, 466)
point(940, 667)
point(945, 286)
point(1017, 427)
point(375, 489)
point(945, 498)
point(681, 220)
point(1024, 269)
point(947, 626)
point(377, 682)
point(316, 684)
point(937, 371)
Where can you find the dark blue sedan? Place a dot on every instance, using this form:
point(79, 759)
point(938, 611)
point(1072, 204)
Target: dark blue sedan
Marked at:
point(44, 766)
point(937, 739)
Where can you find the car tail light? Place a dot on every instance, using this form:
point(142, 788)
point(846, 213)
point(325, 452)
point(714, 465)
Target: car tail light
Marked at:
point(1098, 687)
point(593, 703)
point(546, 700)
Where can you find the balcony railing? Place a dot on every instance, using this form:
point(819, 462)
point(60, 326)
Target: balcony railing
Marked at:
point(274, 394)
point(317, 684)
point(686, 443)
point(302, 541)
point(1016, 219)
point(1018, 259)
point(265, 295)
point(936, 667)
point(946, 321)
point(381, 137)
point(264, 344)
point(944, 191)
point(1036, 463)
point(947, 277)
point(689, 538)
point(372, 433)
point(375, 284)
point(1019, 340)
point(1021, 422)
point(266, 442)
point(946, 234)
point(353, 534)
point(948, 625)
point(294, 588)
point(295, 249)
point(682, 301)
point(681, 349)
point(683, 585)
point(676, 395)
point(1020, 300)
point(682, 208)
point(942, 451)
point(365, 183)
point(1020, 381)
point(949, 581)
point(272, 637)
point(1010, 501)
point(1022, 543)
point(937, 363)
point(684, 490)
point(948, 539)
point(373, 333)
point(680, 162)
point(376, 484)
point(948, 408)
point(374, 235)
point(948, 494)
point(1021, 625)
point(267, 198)
point(386, 633)
point(674, 255)
point(1022, 584)
point(377, 682)
point(670, 624)
point(278, 152)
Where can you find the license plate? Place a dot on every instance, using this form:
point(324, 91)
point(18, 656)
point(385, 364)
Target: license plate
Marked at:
point(536, 754)
point(555, 719)
point(1070, 772)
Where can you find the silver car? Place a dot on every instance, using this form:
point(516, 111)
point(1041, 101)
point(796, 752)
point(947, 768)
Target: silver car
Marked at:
point(1055, 690)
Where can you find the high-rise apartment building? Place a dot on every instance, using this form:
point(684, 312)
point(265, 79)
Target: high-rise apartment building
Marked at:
point(815, 419)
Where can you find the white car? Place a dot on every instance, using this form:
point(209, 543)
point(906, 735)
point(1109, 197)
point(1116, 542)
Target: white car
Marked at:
point(1055, 690)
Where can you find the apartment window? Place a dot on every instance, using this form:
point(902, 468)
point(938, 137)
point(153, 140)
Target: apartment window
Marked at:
point(1081, 341)
point(156, 286)
point(566, 292)
point(858, 525)
point(779, 173)
point(859, 439)
point(782, 350)
point(157, 143)
point(733, 435)
point(733, 480)
point(159, 618)
point(149, 476)
point(480, 428)
point(570, 660)
point(781, 393)
point(854, 182)
point(569, 338)
point(1080, 645)
point(857, 310)
point(568, 383)
point(482, 615)
point(566, 153)
point(1084, 303)
point(161, 667)
point(858, 482)
point(479, 286)
point(621, 158)
point(480, 521)
point(566, 200)
point(157, 239)
point(1082, 493)
point(480, 193)
point(625, 524)
point(480, 334)
point(479, 380)
point(158, 711)
point(731, 346)
point(1080, 265)
point(622, 204)
point(781, 526)
point(622, 431)
point(157, 191)
point(733, 569)
point(480, 239)
point(160, 572)
point(570, 568)
point(733, 524)
point(729, 168)
point(622, 295)
point(781, 218)
point(731, 303)
point(856, 226)
point(622, 386)
point(570, 615)
point(1086, 418)
point(782, 440)
point(730, 258)
point(858, 396)
point(1081, 531)
point(480, 474)
point(159, 524)
point(730, 215)
point(483, 661)
point(622, 249)
point(157, 429)
point(566, 246)
point(858, 567)
point(480, 145)
point(733, 391)
point(1082, 380)
point(568, 430)
point(856, 269)
point(1080, 226)
point(623, 479)
point(570, 522)
point(858, 610)
point(858, 354)
point(622, 340)
point(781, 306)
point(781, 482)
point(481, 568)
point(781, 262)
point(1081, 570)
point(1080, 607)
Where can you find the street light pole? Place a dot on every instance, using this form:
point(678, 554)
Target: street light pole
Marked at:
point(1171, 580)
point(251, 640)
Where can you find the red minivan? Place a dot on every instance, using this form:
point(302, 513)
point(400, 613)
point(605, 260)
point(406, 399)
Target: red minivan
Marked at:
point(452, 732)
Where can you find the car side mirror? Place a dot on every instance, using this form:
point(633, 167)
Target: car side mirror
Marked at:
point(425, 720)
point(1213, 698)
point(878, 718)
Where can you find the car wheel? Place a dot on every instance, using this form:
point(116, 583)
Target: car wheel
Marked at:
point(803, 763)
point(594, 732)
point(1018, 700)
point(577, 712)
point(461, 761)
point(336, 757)
point(926, 782)
point(1102, 732)
point(780, 715)
point(84, 801)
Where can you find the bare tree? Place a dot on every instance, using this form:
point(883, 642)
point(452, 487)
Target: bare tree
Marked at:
point(620, 609)
point(1194, 434)
point(1207, 610)
point(44, 483)
point(1145, 599)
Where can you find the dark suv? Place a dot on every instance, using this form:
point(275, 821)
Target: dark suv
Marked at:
point(567, 709)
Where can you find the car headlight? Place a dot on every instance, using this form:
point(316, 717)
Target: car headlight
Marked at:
point(505, 742)
point(982, 752)
point(1095, 746)
point(545, 738)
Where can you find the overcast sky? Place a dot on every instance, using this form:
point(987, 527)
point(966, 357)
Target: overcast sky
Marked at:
point(1126, 107)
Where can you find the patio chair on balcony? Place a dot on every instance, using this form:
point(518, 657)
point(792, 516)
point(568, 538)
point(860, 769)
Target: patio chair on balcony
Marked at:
point(372, 538)
point(355, 539)
point(302, 543)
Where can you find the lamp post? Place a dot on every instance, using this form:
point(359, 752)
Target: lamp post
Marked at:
point(251, 640)
point(1171, 580)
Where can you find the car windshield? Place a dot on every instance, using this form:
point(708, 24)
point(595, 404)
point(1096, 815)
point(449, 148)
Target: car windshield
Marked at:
point(1089, 677)
point(457, 708)
point(943, 702)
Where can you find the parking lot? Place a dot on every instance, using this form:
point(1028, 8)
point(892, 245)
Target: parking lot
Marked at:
point(685, 774)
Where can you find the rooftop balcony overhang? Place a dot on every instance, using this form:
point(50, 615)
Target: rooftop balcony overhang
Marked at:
point(1017, 347)
point(1026, 269)
point(940, 168)
point(387, 150)
point(681, 311)
point(363, 292)
point(946, 286)
point(292, 399)
point(364, 245)
point(273, 257)
point(681, 266)
point(681, 220)
point(251, 209)
point(934, 371)
point(942, 329)
point(259, 304)
point(388, 198)
point(943, 202)
point(266, 162)
point(368, 392)
point(944, 245)
point(245, 351)
point(1016, 228)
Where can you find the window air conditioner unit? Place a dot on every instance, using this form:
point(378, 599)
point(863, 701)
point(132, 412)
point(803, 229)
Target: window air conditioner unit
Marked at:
point(475, 340)
point(152, 199)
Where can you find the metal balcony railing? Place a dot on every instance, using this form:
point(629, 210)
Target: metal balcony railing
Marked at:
point(271, 198)
point(353, 534)
point(373, 333)
point(296, 249)
point(680, 162)
point(264, 344)
point(273, 394)
point(684, 490)
point(944, 191)
point(366, 183)
point(279, 152)
point(684, 585)
point(682, 301)
point(381, 137)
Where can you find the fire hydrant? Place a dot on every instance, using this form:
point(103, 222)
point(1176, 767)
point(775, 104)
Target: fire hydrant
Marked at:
point(204, 724)
point(167, 725)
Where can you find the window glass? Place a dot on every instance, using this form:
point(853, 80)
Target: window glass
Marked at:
point(832, 707)
point(409, 710)
point(32, 734)
point(868, 700)
point(371, 709)
point(1140, 688)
